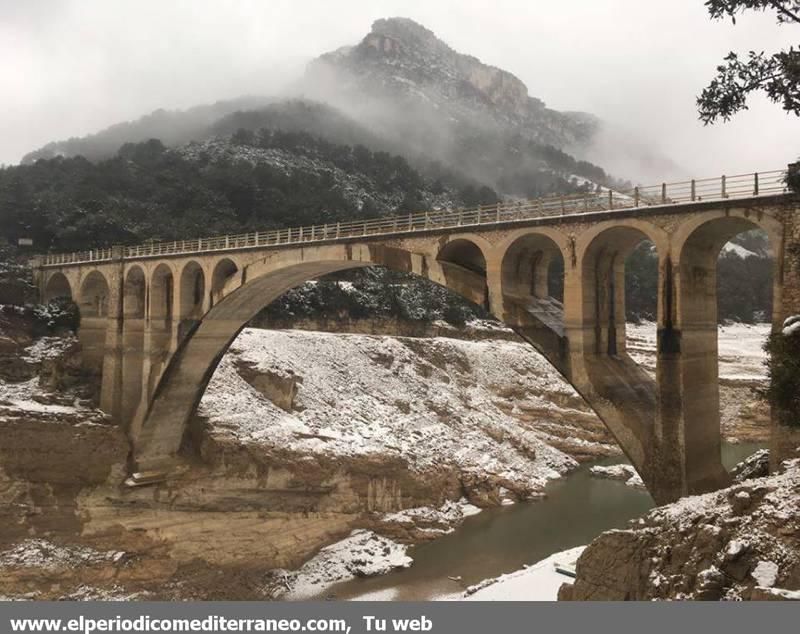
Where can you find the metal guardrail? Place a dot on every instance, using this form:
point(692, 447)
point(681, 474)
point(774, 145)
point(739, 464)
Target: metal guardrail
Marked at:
point(709, 189)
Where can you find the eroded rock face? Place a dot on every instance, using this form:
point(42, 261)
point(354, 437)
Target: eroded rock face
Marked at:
point(739, 543)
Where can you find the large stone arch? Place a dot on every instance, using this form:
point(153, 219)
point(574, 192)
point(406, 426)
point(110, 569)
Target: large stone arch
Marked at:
point(246, 293)
point(188, 371)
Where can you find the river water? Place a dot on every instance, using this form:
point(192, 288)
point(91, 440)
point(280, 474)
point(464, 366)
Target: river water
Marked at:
point(577, 508)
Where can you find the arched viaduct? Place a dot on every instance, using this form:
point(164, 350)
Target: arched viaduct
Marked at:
point(157, 318)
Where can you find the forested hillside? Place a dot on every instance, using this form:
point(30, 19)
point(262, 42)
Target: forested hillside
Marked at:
point(251, 181)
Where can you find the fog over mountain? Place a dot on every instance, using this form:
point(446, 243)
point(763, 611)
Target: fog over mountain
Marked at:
point(80, 66)
point(403, 90)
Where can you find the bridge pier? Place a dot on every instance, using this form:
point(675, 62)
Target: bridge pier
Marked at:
point(112, 384)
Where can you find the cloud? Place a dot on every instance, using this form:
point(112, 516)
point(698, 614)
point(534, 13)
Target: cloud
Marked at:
point(74, 66)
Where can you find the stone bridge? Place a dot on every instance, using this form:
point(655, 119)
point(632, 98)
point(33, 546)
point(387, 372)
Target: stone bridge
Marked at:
point(157, 318)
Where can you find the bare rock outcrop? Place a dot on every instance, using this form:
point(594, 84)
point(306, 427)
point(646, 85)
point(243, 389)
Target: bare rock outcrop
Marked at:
point(742, 542)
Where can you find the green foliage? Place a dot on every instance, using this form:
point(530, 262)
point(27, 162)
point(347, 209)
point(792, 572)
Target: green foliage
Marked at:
point(641, 283)
point(374, 292)
point(783, 366)
point(149, 192)
point(517, 165)
point(744, 288)
point(172, 127)
point(744, 285)
point(776, 74)
point(793, 177)
point(16, 280)
point(56, 316)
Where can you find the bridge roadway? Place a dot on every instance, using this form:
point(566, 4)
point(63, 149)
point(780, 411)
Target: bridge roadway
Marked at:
point(157, 318)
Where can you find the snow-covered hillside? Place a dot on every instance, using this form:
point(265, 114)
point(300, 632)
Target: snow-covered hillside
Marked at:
point(355, 187)
point(487, 408)
point(741, 350)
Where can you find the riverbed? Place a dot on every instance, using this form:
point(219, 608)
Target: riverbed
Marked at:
point(575, 510)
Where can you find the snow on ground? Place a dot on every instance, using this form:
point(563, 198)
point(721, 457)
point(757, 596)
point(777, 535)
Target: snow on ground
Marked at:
point(738, 249)
point(741, 352)
point(26, 396)
point(781, 593)
point(538, 582)
point(41, 553)
point(47, 348)
point(449, 514)
point(430, 402)
point(624, 472)
point(765, 573)
point(362, 554)
point(114, 593)
point(23, 396)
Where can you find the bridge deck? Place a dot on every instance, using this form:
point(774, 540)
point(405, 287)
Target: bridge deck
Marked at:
point(744, 186)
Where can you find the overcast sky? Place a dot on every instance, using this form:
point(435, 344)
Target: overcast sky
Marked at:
point(70, 67)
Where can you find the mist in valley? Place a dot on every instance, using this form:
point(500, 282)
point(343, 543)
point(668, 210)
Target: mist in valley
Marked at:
point(75, 67)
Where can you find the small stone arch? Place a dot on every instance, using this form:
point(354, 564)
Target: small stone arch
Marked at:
point(697, 245)
point(600, 265)
point(192, 289)
point(94, 295)
point(465, 253)
point(464, 265)
point(57, 286)
point(526, 265)
point(134, 293)
point(162, 291)
point(224, 269)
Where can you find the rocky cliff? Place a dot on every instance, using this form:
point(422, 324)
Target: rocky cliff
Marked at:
point(402, 64)
point(738, 543)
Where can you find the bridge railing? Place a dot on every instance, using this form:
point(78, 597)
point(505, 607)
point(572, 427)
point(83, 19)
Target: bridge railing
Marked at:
point(724, 187)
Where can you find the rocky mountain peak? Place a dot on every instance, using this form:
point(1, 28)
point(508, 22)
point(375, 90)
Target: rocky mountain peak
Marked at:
point(413, 53)
point(397, 35)
point(401, 66)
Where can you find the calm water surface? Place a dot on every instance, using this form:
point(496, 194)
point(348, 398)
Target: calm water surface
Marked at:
point(500, 540)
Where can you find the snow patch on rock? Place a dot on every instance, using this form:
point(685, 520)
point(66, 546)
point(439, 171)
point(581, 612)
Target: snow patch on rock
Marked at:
point(362, 554)
point(618, 472)
point(765, 573)
point(41, 553)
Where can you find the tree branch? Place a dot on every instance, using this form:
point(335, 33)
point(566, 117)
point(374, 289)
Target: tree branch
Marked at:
point(775, 4)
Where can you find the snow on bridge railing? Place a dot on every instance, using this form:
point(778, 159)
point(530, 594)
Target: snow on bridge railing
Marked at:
point(724, 187)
